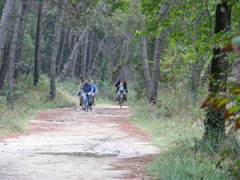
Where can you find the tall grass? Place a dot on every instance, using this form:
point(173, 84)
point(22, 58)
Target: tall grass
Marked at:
point(28, 99)
point(175, 123)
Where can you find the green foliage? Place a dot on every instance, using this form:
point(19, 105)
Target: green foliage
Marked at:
point(28, 99)
point(176, 127)
point(191, 25)
point(173, 67)
point(118, 5)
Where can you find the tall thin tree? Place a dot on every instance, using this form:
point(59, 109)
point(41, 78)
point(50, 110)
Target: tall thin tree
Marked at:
point(214, 122)
point(152, 87)
point(12, 53)
point(57, 36)
point(20, 41)
point(69, 64)
point(5, 23)
point(38, 43)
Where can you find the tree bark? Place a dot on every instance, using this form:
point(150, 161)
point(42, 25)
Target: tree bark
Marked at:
point(74, 65)
point(145, 66)
point(57, 35)
point(5, 23)
point(123, 72)
point(38, 44)
point(156, 69)
point(214, 122)
point(195, 77)
point(90, 55)
point(96, 56)
point(20, 41)
point(195, 71)
point(84, 66)
point(4, 67)
point(12, 54)
point(62, 52)
point(159, 46)
point(68, 66)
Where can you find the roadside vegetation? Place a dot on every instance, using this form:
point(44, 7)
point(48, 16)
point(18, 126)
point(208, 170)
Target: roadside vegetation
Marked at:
point(29, 99)
point(175, 55)
point(176, 125)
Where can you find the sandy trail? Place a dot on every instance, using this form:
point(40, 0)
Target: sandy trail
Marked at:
point(71, 144)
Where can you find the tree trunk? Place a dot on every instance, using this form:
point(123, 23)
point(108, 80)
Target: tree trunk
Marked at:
point(57, 35)
point(145, 67)
point(38, 44)
point(74, 65)
point(68, 66)
point(96, 56)
point(12, 53)
point(4, 67)
point(90, 55)
point(84, 66)
point(156, 69)
point(195, 77)
point(159, 46)
point(62, 52)
point(5, 23)
point(20, 41)
point(195, 72)
point(214, 122)
point(123, 72)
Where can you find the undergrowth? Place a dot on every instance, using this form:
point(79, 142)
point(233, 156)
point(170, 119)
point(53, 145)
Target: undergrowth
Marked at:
point(175, 123)
point(28, 99)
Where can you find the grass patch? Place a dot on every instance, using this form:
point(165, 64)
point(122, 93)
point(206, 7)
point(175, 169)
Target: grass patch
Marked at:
point(28, 100)
point(176, 125)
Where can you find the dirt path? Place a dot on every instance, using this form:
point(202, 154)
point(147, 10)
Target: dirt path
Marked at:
point(69, 144)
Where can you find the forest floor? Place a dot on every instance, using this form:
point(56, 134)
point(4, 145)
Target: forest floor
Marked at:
point(71, 144)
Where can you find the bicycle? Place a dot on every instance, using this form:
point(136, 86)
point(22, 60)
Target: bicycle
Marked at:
point(88, 102)
point(121, 98)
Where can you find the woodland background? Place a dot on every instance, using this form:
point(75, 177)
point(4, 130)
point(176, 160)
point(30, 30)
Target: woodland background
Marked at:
point(169, 51)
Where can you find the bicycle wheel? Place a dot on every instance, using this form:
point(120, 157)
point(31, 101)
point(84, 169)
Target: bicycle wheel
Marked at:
point(121, 102)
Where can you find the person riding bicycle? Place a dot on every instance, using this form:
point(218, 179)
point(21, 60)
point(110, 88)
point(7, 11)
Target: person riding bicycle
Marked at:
point(86, 89)
point(94, 91)
point(121, 85)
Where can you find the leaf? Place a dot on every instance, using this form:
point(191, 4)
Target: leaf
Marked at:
point(207, 102)
point(237, 123)
point(235, 90)
point(238, 97)
point(215, 103)
point(222, 102)
point(238, 162)
point(230, 112)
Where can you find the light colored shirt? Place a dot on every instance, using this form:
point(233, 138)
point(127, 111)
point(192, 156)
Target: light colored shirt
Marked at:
point(121, 87)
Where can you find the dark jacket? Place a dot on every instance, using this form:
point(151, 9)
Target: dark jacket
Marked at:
point(86, 88)
point(124, 85)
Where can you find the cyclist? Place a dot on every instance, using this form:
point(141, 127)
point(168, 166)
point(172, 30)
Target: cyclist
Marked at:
point(94, 91)
point(86, 89)
point(121, 85)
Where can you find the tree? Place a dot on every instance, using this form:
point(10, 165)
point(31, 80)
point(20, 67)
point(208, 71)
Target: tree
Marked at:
point(38, 43)
point(12, 54)
point(20, 42)
point(84, 66)
point(5, 23)
point(152, 85)
point(57, 36)
point(69, 64)
point(214, 122)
